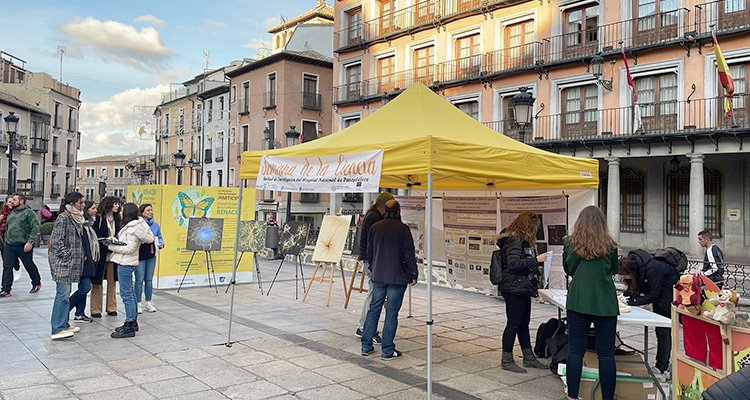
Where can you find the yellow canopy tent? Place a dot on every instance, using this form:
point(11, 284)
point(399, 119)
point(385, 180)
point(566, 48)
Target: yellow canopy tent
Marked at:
point(428, 142)
point(421, 133)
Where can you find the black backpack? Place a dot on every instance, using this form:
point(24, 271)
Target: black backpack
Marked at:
point(496, 264)
point(547, 330)
point(674, 257)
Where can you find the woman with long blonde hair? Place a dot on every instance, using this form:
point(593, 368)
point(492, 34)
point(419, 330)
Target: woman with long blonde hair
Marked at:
point(520, 282)
point(590, 258)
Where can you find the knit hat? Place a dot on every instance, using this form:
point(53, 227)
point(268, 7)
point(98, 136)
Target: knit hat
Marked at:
point(382, 198)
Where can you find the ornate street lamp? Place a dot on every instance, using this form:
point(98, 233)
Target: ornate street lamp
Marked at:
point(597, 69)
point(179, 163)
point(11, 125)
point(522, 104)
point(292, 137)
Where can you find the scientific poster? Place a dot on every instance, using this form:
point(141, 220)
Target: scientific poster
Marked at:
point(332, 238)
point(553, 214)
point(470, 225)
point(252, 236)
point(204, 234)
point(293, 237)
point(413, 215)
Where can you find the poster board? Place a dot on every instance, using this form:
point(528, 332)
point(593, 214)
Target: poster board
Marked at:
point(173, 211)
point(293, 237)
point(470, 225)
point(329, 248)
point(252, 236)
point(204, 234)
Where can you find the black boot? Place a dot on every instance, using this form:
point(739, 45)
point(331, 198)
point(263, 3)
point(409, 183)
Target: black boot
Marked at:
point(128, 330)
point(135, 326)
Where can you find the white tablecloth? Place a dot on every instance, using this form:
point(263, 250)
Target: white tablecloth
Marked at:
point(636, 316)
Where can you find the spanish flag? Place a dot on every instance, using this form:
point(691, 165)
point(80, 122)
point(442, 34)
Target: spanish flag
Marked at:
point(724, 77)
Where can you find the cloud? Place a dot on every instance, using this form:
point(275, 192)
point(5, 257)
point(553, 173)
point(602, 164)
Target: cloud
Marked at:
point(118, 42)
point(109, 127)
point(272, 21)
point(214, 24)
point(261, 47)
point(150, 19)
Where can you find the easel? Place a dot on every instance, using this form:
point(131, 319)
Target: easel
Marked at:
point(361, 287)
point(209, 270)
point(297, 271)
point(257, 271)
point(330, 280)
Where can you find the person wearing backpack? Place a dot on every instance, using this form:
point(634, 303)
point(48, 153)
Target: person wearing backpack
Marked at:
point(650, 280)
point(590, 258)
point(519, 283)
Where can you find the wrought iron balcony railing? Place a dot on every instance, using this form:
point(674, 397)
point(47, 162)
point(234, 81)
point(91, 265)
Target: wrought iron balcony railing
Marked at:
point(207, 156)
point(219, 154)
point(39, 145)
point(311, 100)
point(55, 158)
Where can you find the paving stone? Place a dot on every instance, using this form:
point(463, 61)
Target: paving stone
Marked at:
point(375, 385)
point(254, 391)
point(90, 385)
point(130, 364)
point(37, 392)
point(207, 395)
point(301, 381)
point(175, 387)
point(154, 374)
point(250, 357)
point(337, 392)
point(24, 380)
point(129, 393)
point(274, 368)
point(473, 384)
point(72, 373)
point(315, 361)
point(409, 394)
point(183, 355)
point(343, 372)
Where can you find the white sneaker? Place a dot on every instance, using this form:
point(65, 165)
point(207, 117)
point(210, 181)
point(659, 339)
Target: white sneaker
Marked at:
point(150, 307)
point(140, 308)
point(73, 329)
point(62, 335)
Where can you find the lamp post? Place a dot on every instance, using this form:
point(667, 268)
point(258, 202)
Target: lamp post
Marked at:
point(522, 104)
point(191, 164)
point(179, 162)
point(292, 137)
point(102, 187)
point(11, 124)
point(597, 69)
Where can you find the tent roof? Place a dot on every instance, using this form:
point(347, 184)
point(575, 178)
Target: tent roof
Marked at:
point(420, 133)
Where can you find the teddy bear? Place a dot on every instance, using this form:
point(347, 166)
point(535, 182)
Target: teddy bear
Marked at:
point(726, 306)
point(688, 293)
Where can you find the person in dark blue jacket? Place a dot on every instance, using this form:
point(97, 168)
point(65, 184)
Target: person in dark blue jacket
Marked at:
point(651, 281)
point(393, 265)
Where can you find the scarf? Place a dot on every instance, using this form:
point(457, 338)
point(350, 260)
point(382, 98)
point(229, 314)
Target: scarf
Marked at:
point(77, 216)
point(93, 240)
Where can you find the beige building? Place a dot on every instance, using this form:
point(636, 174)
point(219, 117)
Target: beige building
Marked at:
point(59, 145)
point(103, 176)
point(285, 91)
point(681, 170)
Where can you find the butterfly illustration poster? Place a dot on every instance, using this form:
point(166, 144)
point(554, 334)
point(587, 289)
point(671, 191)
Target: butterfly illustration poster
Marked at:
point(175, 207)
point(332, 238)
point(293, 237)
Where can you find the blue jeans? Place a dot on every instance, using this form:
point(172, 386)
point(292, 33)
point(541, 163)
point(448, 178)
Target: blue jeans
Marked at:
point(61, 308)
point(78, 298)
point(578, 334)
point(125, 275)
point(145, 275)
point(395, 296)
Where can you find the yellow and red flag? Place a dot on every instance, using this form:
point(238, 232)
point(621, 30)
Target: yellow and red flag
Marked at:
point(724, 77)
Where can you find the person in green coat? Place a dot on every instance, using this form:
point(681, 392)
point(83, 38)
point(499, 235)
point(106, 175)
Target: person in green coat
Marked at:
point(590, 258)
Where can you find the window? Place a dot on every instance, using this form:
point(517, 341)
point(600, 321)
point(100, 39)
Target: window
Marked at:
point(349, 121)
point(353, 76)
point(581, 30)
point(519, 45)
point(221, 107)
point(58, 115)
point(245, 138)
point(104, 172)
point(579, 111)
point(208, 178)
point(181, 122)
point(272, 128)
point(119, 172)
point(656, 20)
point(35, 171)
point(657, 96)
point(232, 135)
point(470, 107)
point(89, 194)
point(678, 198)
point(310, 130)
point(426, 11)
point(423, 68)
point(271, 94)
point(210, 109)
point(632, 188)
point(712, 200)
point(310, 96)
point(740, 104)
point(90, 173)
point(165, 176)
point(220, 177)
point(245, 101)
point(468, 57)
point(233, 94)
point(354, 25)
point(466, 5)
point(78, 171)
point(509, 126)
point(386, 78)
point(386, 16)
point(166, 124)
point(733, 14)
point(71, 119)
point(231, 177)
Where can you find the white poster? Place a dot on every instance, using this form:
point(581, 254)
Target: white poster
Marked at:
point(470, 225)
point(553, 213)
point(337, 173)
point(413, 214)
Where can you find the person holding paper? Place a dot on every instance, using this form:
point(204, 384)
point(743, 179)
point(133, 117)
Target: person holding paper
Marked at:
point(590, 258)
point(520, 282)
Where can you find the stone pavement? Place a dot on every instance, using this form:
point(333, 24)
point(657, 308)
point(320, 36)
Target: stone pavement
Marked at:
point(283, 348)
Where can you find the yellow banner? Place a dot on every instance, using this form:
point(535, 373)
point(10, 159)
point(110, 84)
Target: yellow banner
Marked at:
point(173, 206)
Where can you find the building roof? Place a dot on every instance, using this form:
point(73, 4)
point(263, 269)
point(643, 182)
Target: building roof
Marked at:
point(207, 94)
point(322, 10)
point(16, 102)
point(101, 159)
point(304, 57)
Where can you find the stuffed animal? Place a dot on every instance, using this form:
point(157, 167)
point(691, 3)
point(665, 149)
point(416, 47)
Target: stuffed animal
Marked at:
point(688, 293)
point(726, 305)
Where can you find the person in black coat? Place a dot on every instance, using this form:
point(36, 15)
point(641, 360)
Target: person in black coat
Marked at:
point(106, 225)
point(651, 281)
point(521, 277)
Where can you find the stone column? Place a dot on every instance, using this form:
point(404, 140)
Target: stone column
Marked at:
point(335, 203)
point(697, 203)
point(613, 197)
point(366, 202)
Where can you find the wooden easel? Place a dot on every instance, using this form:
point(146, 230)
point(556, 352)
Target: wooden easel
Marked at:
point(361, 287)
point(323, 279)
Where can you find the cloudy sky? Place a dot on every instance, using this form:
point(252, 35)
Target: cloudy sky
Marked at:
point(125, 53)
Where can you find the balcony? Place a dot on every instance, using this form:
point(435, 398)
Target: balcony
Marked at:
point(55, 158)
point(39, 145)
point(243, 106)
point(180, 129)
point(195, 155)
point(37, 188)
point(20, 143)
point(311, 101)
point(143, 168)
point(698, 117)
point(219, 154)
point(3, 139)
point(163, 132)
point(269, 100)
point(71, 160)
point(723, 15)
point(164, 160)
point(55, 191)
point(73, 125)
point(197, 120)
point(207, 156)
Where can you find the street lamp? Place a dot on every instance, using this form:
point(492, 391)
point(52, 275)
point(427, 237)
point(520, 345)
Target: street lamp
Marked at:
point(179, 162)
point(102, 187)
point(292, 136)
point(522, 104)
point(11, 124)
point(597, 69)
point(191, 164)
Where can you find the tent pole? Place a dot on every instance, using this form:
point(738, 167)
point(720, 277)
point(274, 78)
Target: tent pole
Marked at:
point(234, 264)
point(428, 278)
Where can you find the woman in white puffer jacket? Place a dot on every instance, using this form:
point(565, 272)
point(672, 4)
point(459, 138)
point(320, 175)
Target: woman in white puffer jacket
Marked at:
point(134, 232)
